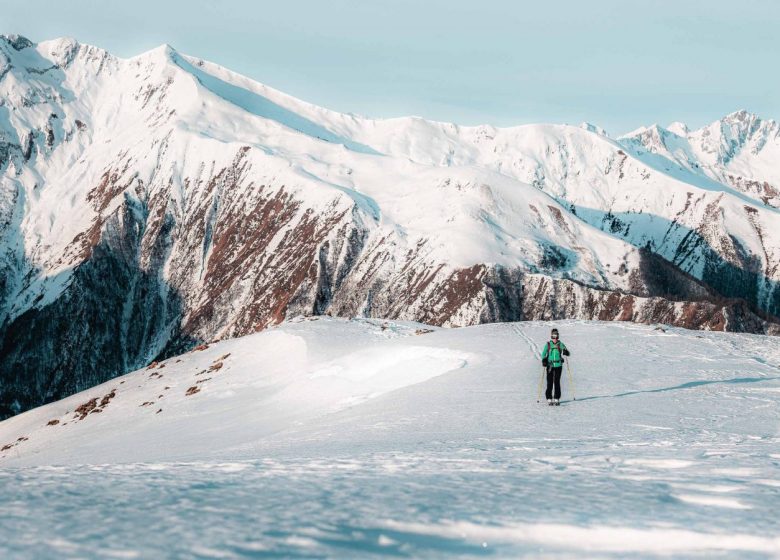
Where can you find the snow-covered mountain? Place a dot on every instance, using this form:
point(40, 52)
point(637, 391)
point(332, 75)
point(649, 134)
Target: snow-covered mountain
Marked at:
point(152, 203)
point(326, 437)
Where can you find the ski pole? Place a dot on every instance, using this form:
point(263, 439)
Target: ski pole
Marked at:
point(539, 392)
point(571, 379)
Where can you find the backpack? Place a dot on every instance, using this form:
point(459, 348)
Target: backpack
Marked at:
point(558, 348)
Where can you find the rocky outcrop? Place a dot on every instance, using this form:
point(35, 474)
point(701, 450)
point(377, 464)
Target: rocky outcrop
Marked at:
point(550, 299)
point(111, 318)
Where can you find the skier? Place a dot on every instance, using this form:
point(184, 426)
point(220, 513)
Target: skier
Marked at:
point(552, 360)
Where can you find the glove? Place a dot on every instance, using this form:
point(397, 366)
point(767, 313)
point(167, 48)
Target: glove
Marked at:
point(566, 352)
point(544, 362)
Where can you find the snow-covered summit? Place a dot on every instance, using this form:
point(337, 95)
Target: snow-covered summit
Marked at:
point(741, 142)
point(678, 128)
point(16, 42)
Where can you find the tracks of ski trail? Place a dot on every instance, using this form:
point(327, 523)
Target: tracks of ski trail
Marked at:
point(531, 344)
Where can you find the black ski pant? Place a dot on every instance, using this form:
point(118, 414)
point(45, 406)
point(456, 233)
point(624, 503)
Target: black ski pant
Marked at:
point(553, 378)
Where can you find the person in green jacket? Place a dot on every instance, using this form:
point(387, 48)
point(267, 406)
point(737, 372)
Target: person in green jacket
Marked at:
point(552, 360)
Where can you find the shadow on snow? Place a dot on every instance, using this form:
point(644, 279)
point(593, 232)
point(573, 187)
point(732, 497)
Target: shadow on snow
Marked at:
point(688, 385)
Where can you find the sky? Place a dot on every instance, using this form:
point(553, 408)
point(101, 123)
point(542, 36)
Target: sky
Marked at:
point(616, 64)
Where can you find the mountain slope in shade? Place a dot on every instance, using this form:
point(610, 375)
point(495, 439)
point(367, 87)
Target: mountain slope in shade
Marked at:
point(363, 438)
point(152, 203)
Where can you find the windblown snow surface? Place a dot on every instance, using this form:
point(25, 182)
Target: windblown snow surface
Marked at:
point(337, 438)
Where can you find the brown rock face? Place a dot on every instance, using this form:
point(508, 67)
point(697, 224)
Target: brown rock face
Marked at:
point(551, 299)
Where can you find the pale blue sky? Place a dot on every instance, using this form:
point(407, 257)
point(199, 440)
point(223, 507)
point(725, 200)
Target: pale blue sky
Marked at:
point(618, 64)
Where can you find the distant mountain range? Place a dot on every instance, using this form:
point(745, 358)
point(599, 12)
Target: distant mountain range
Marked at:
point(153, 203)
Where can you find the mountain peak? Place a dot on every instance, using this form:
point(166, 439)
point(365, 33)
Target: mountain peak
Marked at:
point(652, 137)
point(62, 49)
point(17, 42)
point(594, 128)
point(678, 128)
point(742, 115)
point(743, 121)
point(164, 51)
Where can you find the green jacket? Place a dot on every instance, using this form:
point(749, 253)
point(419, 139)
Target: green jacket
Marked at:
point(553, 353)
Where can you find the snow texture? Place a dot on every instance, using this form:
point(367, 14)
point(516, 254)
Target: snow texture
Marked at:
point(363, 438)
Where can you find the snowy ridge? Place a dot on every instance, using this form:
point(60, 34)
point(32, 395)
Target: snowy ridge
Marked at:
point(162, 201)
point(440, 427)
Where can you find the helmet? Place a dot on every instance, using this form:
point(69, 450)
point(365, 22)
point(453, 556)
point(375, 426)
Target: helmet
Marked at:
point(553, 333)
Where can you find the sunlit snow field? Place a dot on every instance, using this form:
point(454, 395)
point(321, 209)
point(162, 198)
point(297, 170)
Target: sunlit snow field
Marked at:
point(334, 438)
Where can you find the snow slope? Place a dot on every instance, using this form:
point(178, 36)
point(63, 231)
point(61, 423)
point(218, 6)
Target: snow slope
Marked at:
point(338, 438)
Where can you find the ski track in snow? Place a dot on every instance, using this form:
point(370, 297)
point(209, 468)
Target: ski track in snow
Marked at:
point(535, 348)
point(360, 439)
